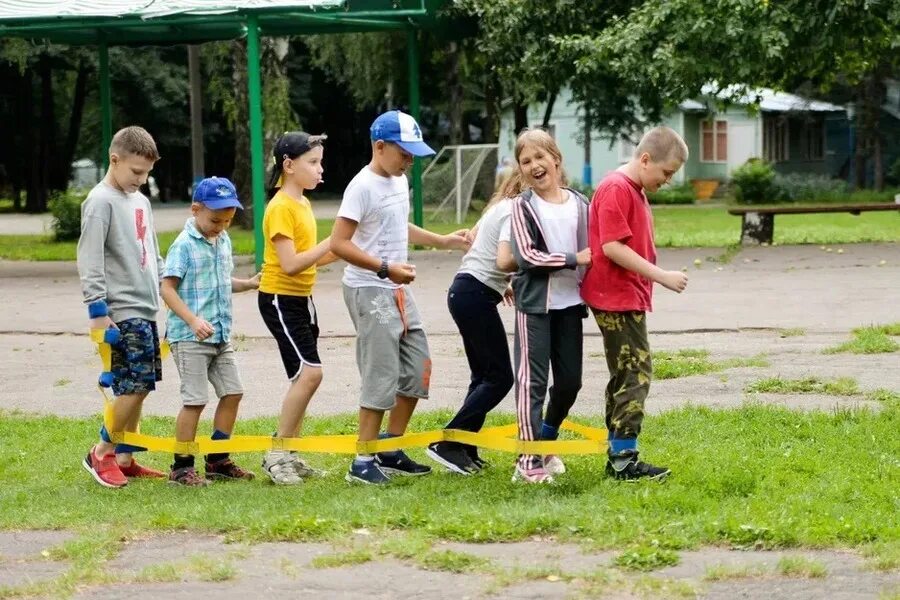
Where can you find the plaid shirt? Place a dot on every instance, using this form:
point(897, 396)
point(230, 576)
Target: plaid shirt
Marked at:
point(204, 269)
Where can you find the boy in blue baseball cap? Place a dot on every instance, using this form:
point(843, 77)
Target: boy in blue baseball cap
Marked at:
point(197, 285)
point(372, 233)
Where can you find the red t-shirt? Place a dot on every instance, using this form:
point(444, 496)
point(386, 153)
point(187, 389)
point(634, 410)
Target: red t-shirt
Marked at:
point(619, 212)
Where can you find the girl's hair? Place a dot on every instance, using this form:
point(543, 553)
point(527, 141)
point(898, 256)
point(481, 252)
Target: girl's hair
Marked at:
point(290, 145)
point(515, 185)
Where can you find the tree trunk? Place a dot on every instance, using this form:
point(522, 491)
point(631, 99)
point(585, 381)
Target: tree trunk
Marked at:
point(491, 131)
point(64, 166)
point(520, 116)
point(455, 91)
point(548, 112)
point(877, 163)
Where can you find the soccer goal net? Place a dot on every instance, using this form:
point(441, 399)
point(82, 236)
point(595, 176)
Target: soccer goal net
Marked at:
point(450, 179)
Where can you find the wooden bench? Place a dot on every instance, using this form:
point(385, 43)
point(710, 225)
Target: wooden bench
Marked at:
point(758, 223)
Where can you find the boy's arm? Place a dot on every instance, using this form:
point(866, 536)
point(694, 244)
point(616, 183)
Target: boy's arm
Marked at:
point(169, 292)
point(293, 262)
point(91, 260)
point(343, 247)
point(506, 262)
point(243, 285)
point(628, 259)
point(458, 240)
point(329, 258)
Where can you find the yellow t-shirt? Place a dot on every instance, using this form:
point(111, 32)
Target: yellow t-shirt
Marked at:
point(293, 219)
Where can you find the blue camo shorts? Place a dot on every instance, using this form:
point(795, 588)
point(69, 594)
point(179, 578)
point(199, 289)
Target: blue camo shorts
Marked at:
point(136, 360)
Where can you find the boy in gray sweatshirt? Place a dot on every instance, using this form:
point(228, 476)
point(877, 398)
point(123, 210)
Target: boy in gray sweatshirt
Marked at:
point(119, 265)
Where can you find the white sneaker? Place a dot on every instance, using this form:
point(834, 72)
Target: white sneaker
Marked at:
point(279, 466)
point(554, 464)
point(302, 469)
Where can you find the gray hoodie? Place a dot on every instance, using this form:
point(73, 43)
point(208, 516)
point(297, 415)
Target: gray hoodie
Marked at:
point(118, 253)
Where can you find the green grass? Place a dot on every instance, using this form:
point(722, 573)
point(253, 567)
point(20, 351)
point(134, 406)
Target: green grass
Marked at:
point(753, 497)
point(875, 339)
point(342, 559)
point(792, 332)
point(883, 556)
point(842, 386)
point(688, 362)
point(646, 558)
point(676, 226)
point(800, 566)
point(732, 572)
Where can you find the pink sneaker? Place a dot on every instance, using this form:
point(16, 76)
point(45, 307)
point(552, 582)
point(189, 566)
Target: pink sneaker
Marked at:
point(536, 475)
point(104, 469)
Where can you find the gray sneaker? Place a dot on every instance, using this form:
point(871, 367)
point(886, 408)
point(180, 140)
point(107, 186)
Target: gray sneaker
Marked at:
point(302, 469)
point(279, 466)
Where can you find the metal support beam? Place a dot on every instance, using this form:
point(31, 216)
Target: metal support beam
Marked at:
point(105, 104)
point(198, 168)
point(412, 56)
point(257, 166)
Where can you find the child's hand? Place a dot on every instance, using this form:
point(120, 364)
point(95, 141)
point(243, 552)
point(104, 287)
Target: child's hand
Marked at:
point(674, 280)
point(201, 328)
point(103, 322)
point(401, 273)
point(253, 282)
point(509, 298)
point(457, 240)
point(583, 258)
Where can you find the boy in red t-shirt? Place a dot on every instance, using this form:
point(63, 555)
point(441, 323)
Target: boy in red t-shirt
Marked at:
point(619, 286)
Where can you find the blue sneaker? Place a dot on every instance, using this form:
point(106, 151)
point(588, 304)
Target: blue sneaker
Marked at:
point(366, 471)
point(398, 463)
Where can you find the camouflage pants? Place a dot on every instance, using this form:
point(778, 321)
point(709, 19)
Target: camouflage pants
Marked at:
point(630, 369)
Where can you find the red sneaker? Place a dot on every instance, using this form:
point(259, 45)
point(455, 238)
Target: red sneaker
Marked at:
point(104, 469)
point(136, 470)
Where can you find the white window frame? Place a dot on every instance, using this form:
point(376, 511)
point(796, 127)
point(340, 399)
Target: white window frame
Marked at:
point(770, 126)
point(715, 148)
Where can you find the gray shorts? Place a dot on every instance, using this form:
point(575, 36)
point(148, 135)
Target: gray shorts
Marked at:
point(199, 363)
point(391, 347)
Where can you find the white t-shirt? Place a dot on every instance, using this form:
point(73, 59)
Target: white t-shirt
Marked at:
point(481, 260)
point(560, 225)
point(380, 206)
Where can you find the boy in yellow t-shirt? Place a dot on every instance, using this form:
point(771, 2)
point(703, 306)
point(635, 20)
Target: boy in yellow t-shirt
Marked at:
point(285, 292)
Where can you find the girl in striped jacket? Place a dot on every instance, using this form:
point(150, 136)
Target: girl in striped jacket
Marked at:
point(546, 245)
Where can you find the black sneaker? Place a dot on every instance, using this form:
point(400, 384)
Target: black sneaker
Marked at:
point(479, 462)
point(626, 467)
point(366, 471)
point(398, 463)
point(451, 456)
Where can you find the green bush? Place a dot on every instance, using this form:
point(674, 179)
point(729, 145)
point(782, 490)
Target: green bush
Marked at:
point(806, 187)
point(676, 194)
point(893, 174)
point(754, 182)
point(66, 210)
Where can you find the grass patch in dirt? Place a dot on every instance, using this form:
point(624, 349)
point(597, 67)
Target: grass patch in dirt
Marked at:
point(875, 339)
point(842, 386)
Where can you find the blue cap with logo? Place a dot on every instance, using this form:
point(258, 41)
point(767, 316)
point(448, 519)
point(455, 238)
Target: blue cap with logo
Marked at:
point(216, 193)
point(401, 129)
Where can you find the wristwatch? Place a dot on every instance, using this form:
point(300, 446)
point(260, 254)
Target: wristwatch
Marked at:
point(383, 271)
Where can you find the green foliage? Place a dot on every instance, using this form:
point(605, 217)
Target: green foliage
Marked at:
point(893, 174)
point(646, 558)
point(806, 187)
point(676, 194)
point(66, 210)
point(869, 340)
point(754, 182)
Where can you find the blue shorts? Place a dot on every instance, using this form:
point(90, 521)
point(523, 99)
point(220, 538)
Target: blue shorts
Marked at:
point(136, 361)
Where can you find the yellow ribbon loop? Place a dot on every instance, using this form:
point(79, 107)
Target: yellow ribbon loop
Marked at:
point(501, 438)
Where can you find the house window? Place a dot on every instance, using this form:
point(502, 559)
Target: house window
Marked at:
point(775, 139)
point(812, 140)
point(714, 141)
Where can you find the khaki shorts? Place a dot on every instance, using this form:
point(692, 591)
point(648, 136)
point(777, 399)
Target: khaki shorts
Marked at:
point(199, 363)
point(391, 346)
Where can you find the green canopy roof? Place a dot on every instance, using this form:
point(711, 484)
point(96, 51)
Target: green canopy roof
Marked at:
point(184, 21)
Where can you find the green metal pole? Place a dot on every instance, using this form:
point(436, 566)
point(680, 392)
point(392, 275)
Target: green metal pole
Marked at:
point(105, 104)
point(412, 56)
point(257, 167)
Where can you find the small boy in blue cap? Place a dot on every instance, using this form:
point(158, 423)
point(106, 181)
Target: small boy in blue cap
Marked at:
point(197, 285)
